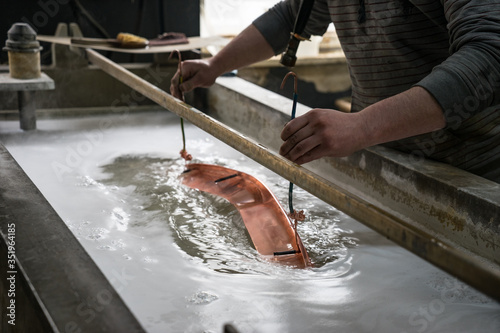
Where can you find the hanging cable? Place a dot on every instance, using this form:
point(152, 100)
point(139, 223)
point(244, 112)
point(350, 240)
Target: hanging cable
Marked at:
point(79, 11)
point(289, 58)
point(161, 18)
point(91, 19)
point(138, 26)
point(183, 152)
point(295, 215)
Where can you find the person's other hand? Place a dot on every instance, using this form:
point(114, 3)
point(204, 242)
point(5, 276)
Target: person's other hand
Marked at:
point(195, 73)
point(322, 132)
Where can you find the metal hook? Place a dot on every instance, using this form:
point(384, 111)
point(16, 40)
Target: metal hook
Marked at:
point(179, 65)
point(295, 79)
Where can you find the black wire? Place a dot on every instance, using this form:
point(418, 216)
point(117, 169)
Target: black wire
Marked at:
point(79, 10)
point(138, 24)
point(89, 17)
point(161, 17)
point(361, 12)
point(303, 16)
point(407, 7)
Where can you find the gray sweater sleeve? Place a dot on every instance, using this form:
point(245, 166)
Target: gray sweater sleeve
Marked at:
point(469, 80)
point(277, 23)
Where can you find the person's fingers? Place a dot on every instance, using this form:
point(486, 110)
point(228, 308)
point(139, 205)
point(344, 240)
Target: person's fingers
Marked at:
point(187, 85)
point(195, 73)
point(320, 133)
point(300, 144)
point(293, 126)
point(174, 86)
point(307, 137)
point(311, 155)
point(301, 134)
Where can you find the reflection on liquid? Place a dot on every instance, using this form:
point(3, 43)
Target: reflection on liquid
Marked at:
point(210, 228)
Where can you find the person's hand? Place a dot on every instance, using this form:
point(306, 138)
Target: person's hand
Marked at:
point(195, 73)
point(322, 132)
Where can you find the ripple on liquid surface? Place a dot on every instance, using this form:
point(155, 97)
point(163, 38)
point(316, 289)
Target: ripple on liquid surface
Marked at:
point(209, 229)
point(180, 244)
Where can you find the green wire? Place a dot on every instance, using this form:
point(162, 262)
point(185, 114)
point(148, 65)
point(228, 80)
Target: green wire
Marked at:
point(290, 188)
point(183, 135)
point(182, 123)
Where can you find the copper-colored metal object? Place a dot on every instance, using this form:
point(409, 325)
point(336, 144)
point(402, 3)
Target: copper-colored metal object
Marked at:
point(267, 223)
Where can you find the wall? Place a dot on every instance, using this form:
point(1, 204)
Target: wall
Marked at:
point(98, 18)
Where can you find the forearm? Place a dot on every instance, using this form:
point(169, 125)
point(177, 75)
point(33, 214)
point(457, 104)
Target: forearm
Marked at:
point(410, 113)
point(325, 132)
point(247, 48)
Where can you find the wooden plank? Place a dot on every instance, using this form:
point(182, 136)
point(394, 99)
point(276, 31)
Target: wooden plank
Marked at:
point(194, 43)
point(461, 263)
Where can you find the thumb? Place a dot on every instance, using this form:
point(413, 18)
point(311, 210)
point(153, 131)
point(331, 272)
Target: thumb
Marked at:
point(186, 86)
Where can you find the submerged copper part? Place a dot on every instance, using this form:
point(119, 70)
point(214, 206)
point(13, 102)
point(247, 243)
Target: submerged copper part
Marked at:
point(185, 155)
point(267, 223)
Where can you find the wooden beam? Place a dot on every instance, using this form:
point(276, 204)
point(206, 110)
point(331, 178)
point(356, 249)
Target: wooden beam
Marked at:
point(194, 43)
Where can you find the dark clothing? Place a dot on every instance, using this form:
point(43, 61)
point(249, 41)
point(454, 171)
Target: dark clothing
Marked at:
point(449, 47)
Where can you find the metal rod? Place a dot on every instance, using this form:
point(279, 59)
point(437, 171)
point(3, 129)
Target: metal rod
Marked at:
point(27, 108)
point(464, 265)
point(289, 57)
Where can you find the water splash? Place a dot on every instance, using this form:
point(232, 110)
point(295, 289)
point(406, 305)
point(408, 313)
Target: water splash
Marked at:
point(203, 298)
point(210, 229)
